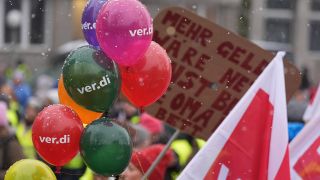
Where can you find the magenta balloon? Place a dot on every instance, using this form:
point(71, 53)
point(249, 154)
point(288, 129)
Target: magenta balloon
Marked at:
point(124, 30)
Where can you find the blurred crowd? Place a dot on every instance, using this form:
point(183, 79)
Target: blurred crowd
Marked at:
point(23, 97)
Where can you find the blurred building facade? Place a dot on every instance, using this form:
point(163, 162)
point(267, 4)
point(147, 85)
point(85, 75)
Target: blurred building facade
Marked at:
point(32, 30)
point(295, 24)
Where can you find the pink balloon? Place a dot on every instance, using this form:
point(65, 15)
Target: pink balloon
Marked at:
point(124, 30)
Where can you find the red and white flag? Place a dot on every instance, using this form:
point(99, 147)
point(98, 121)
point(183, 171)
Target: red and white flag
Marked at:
point(252, 142)
point(305, 149)
point(313, 107)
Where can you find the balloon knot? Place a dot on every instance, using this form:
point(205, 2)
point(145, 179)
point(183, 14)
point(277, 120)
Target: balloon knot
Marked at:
point(108, 123)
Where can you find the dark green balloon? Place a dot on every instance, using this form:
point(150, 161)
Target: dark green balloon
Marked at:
point(91, 78)
point(106, 147)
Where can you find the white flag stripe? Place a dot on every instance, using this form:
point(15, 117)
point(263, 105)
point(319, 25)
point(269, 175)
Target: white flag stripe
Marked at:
point(223, 172)
point(295, 176)
point(278, 145)
point(316, 114)
point(312, 108)
point(206, 156)
point(304, 139)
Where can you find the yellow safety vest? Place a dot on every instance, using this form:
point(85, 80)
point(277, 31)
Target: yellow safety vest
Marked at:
point(23, 68)
point(88, 175)
point(75, 163)
point(200, 143)
point(135, 119)
point(25, 139)
point(12, 118)
point(183, 149)
point(12, 114)
point(14, 105)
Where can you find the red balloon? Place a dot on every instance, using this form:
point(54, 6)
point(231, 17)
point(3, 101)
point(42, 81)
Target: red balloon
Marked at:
point(145, 82)
point(56, 134)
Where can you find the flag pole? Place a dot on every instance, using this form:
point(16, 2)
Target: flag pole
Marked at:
point(160, 156)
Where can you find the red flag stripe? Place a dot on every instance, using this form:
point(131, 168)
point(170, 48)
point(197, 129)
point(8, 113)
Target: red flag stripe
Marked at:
point(308, 165)
point(244, 146)
point(251, 143)
point(284, 170)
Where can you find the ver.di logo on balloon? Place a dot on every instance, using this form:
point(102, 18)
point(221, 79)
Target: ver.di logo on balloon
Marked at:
point(65, 139)
point(94, 86)
point(141, 32)
point(88, 26)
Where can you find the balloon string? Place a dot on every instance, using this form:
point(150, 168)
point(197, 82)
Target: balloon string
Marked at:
point(141, 110)
point(105, 114)
point(58, 170)
point(128, 130)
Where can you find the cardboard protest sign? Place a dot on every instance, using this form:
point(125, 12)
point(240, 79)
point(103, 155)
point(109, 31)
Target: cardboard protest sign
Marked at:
point(212, 68)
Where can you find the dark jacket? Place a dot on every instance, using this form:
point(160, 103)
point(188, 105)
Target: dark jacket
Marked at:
point(10, 150)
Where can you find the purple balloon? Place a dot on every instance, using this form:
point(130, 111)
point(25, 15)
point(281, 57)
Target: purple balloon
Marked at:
point(88, 21)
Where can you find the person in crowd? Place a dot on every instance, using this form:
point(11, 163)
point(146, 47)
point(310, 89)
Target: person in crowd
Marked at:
point(153, 125)
point(22, 90)
point(142, 160)
point(14, 110)
point(3, 81)
point(185, 147)
point(123, 110)
point(74, 169)
point(51, 97)
point(19, 66)
point(131, 112)
point(10, 150)
point(44, 84)
point(297, 106)
point(142, 138)
point(24, 129)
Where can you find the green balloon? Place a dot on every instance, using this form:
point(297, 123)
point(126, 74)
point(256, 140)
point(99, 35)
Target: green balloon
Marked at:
point(91, 78)
point(106, 147)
